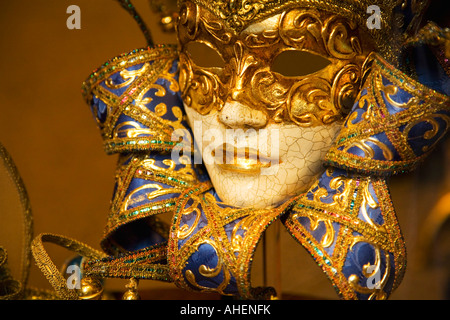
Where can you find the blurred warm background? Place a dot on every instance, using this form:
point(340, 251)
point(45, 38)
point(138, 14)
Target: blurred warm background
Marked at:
point(52, 137)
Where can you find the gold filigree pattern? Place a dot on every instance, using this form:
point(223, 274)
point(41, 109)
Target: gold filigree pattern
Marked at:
point(383, 125)
point(208, 272)
point(185, 230)
point(372, 271)
point(239, 14)
point(319, 98)
point(130, 93)
point(349, 215)
point(164, 182)
point(128, 75)
point(232, 249)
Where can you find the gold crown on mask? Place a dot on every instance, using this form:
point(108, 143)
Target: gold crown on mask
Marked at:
point(398, 18)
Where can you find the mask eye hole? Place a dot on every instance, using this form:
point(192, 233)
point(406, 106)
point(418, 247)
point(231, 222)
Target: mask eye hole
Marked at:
point(203, 55)
point(295, 63)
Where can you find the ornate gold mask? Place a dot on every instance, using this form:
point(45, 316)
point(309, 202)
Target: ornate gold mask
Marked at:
point(249, 76)
point(248, 88)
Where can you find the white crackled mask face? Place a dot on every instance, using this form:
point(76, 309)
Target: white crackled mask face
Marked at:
point(264, 125)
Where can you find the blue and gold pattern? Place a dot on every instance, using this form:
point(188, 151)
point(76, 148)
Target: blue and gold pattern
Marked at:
point(135, 100)
point(347, 223)
point(211, 245)
point(395, 124)
point(136, 103)
point(346, 220)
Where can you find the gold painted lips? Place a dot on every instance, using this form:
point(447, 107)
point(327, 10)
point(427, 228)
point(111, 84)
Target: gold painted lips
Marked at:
point(243, 160)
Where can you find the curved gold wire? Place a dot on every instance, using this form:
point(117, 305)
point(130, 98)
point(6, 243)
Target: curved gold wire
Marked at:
point(8, 163)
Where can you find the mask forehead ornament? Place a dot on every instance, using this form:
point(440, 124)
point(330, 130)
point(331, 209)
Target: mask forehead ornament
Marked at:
point(398, 18)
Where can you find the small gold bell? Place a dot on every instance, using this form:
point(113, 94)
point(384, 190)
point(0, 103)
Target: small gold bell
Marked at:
point(131, 293)
point(90, 289)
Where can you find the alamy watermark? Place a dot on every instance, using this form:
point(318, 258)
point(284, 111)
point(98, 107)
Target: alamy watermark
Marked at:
point(374, 21)
point(373, 281)
point(74, 20)
point(74, 280)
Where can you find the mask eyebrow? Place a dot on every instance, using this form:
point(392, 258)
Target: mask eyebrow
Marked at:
point(297, 63)
point(204, 55)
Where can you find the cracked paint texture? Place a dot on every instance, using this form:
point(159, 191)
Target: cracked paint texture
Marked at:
point(300, 151)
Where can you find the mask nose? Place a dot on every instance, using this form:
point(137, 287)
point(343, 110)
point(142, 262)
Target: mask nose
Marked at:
point(236, 112)
point(237, 115)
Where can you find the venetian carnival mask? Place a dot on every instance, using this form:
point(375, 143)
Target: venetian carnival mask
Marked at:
point(311, 148)
point(264, 128)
